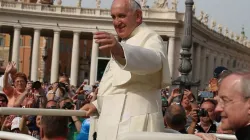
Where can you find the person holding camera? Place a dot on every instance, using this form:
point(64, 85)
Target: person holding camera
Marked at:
point(75, 123)
point(59, 91)
point(206, 116)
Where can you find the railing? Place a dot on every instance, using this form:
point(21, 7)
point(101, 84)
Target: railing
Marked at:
point(15, 136)
point(105, 12)
point(46, 8)
point(127, 136)
point(8, 4)
point(88, 11)
point(29, 6)
point(43, 112)
point(168, 136)
point(75, 10)
point(69, 10)
point(225, 137)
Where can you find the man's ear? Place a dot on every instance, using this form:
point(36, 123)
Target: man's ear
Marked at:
point(248, 106)
point(139, 16)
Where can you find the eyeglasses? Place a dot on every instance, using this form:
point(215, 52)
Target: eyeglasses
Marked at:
point(21, 81)
point(224, 103)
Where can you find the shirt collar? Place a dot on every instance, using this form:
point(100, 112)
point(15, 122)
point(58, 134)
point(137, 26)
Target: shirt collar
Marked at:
point(135, 31)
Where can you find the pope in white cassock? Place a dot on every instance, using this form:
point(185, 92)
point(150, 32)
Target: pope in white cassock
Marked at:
point(129, 98)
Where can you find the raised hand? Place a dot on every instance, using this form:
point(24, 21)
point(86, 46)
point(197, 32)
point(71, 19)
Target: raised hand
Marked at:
point(108, 42)
point(30, 100)
point(89, 108)
point(10, 67)
point(8, 121)
point(175, 93)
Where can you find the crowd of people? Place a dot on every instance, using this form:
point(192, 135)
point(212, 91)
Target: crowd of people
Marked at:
point(128, 98)
point(190, 116)
point(18, 91)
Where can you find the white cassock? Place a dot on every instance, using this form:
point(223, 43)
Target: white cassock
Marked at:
point(129, 98)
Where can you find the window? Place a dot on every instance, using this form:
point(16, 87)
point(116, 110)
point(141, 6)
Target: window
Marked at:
point(48, 42)
point(234, 63)
point(31, 42)
point(1, 41)
point(21, 42)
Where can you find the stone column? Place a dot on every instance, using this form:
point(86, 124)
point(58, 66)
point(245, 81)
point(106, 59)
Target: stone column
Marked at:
point(55, 57)
point(75, 59)
point(94, 62)
point(225, 61)
point(192, 73)
point(35, 55)
point(16, 44)
point(218, 60)
point(203, 67)
point(210, 66)
point(171, 56)
point(197, 65)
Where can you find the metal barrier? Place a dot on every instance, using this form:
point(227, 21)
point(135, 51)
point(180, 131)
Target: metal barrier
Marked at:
point(15, 136)
point(127, 136)
point(43, 112)
point(157, 136)
point(168, 136)
point(225, 137)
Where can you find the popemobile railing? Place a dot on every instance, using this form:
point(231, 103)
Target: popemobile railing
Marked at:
point(128, 136)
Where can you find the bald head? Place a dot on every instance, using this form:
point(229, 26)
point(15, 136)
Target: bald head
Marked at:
point(239, 82)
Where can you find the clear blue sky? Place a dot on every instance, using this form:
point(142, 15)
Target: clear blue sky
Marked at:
point(231, 13)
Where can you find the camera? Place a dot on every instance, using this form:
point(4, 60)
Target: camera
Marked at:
point(36, 85)
point(68, 105)
point(202, 113)
point(62, 85)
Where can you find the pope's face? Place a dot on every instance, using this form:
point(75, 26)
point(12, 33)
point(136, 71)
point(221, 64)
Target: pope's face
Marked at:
point(125, 20)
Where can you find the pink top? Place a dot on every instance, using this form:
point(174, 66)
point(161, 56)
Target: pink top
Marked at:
point(12, 95)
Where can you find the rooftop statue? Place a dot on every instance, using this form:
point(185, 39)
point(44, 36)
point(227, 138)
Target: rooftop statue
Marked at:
point(206, 19)
point(220, 28)
point(214, 24)
point(232, 35)
point(237, 38)
point(194, 8)
point(160, 4)
point(59, 2)
point(174, 4)
point(79, 3)
point(201, 16)
point(143, 3)
point(98, 3)
point(226, 31)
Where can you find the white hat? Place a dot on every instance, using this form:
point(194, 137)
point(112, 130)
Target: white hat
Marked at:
point(15, 123)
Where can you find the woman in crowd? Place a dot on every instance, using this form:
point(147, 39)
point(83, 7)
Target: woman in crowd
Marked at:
point(20, 81)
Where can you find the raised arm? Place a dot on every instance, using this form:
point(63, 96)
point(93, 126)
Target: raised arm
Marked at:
point(6, 85)
point(136, 59)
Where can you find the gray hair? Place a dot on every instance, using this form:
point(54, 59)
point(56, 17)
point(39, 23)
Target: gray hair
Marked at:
point(134, 5)
point(244, 81)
